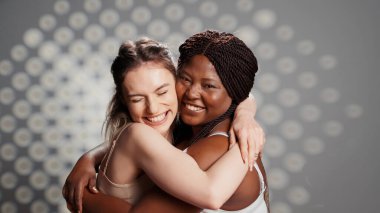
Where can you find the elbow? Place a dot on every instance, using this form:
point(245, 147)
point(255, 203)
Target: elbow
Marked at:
point(213, 206)
point(215, 200)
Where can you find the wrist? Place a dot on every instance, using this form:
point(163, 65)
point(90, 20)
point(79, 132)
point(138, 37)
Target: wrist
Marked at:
point(244, 112)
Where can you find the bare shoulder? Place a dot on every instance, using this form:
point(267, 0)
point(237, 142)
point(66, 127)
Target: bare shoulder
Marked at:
point(134, 135)
point(137, 130)
point(208, 150)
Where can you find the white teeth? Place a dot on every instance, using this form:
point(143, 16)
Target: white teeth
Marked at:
point(157, 118)
point(193, 108)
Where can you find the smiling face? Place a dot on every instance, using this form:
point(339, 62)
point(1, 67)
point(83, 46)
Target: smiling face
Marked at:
point(201, 94)
point(149, 91)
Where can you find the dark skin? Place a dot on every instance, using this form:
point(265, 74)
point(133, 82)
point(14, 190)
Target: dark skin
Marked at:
point(205, 151)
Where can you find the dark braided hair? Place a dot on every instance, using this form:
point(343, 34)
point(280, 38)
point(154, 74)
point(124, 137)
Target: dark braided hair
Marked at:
point(131, 55)
point(234, 62)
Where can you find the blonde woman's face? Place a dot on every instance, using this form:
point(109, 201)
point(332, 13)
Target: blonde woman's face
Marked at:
point(149, 91)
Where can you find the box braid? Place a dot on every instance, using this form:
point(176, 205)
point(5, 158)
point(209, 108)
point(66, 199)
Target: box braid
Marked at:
point(234, 62)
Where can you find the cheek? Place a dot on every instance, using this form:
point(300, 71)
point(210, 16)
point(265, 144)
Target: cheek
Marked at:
point(135, 111)
point(172, 97)
point(221, 101)
point(180, 90)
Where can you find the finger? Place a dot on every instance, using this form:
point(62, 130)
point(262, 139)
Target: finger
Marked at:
point(70, 195)
point(92, 185)
point(262, 144)
point(259, 143)
point(70, 207)
point(251, 149)
point(64, 191)
point(242, 138)
point(232, 138)
point(263, 140)
point(78, 198)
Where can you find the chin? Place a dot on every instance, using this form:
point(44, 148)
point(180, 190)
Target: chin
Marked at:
point(190, 121)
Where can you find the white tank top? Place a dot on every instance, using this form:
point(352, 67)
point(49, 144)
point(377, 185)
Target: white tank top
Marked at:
point(259, 206)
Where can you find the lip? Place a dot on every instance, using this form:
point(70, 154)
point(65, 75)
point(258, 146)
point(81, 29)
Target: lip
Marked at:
point(193, 108)
point(158, 123)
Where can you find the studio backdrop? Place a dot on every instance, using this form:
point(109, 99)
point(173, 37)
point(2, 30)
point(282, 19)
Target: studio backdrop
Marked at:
point(315, 90)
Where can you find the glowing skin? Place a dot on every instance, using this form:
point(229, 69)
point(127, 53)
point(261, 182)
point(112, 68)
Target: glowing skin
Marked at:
point(201, 94)
point(151, 97)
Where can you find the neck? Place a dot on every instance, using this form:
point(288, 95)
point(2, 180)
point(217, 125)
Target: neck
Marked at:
point(222, 126)
point(196, 129)
point(168, 135)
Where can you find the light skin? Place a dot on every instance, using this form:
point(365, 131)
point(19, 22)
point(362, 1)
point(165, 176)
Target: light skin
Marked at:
point(153, 104)
point(149, 91)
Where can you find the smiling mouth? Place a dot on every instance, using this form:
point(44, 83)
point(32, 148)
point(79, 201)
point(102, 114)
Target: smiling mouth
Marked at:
point(157, 119)
point(194, 108)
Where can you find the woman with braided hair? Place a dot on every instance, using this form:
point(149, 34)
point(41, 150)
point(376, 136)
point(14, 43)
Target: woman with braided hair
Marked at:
point(216, 71)
point(207, 105)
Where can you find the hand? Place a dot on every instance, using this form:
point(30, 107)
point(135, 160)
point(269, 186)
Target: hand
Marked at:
point(250, 136)
point(82, 175)
point(247, 131)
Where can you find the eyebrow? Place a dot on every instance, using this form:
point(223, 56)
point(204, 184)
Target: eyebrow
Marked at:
point(159, 88)
point(205, 78)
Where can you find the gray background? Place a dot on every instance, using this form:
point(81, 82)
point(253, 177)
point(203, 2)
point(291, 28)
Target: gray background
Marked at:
point(340, 177)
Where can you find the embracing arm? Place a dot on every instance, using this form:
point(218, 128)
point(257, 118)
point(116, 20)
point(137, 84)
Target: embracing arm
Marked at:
point(179, 174)
point(157, 200)
point(154, 201)
point(100, 202)
point(245, 129)
point(83, 174)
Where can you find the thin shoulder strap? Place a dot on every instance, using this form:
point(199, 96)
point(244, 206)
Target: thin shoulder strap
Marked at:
point(112, 147)
point(219, 133)
point(261, 178)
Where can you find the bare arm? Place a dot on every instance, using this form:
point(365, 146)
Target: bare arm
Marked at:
point(100, 202)
point(245, 129)
point(83, 174)
point(154, 201)
point(179, 174)
point(159, 201)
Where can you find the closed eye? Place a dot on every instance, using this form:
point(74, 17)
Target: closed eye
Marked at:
point(136, 100)
point(162, 92)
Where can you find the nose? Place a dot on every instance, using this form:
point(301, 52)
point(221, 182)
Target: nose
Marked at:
point(152, 106)
point(192, 92)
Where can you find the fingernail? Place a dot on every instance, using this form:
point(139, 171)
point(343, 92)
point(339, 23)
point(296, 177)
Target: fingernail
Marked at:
point(95, 189)
point(245, 160)
point(250, 167)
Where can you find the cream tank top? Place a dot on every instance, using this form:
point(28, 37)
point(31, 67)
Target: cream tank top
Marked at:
point(259, 206)
point(130, 192)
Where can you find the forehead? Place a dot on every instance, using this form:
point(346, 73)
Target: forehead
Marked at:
point(200, 65)
point(147, 78)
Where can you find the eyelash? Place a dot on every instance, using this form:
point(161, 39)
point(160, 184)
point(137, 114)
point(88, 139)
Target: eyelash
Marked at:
point(136, 100)
point(162, 93)
point(184, 78)
point(209, 86)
